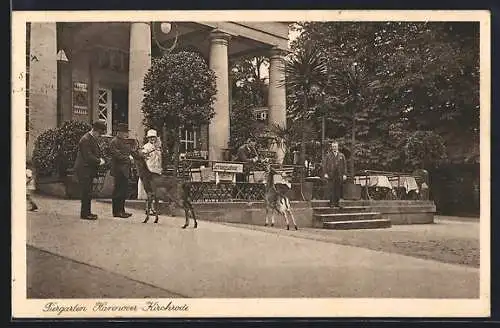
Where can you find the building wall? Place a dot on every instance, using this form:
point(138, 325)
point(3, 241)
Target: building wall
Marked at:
point(56, 98)
point(42, 81)
point(85, 69)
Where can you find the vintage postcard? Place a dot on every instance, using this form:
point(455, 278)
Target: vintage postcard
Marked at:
point(201, 164)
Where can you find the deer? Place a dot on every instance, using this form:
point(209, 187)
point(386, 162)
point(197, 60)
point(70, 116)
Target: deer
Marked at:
point(151, 182)
point(276, 201)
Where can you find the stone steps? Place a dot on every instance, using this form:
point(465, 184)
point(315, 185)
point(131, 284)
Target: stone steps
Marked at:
point(355, 216)
point(346, 209)
point(348, 217)
point(360, 224)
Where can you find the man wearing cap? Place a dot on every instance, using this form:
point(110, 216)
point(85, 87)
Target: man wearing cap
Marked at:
point(88, 159)
point(248, 155)
point(120, 170)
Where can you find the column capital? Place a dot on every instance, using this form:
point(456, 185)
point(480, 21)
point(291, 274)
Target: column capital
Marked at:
point(277, 54)
point(219, 37)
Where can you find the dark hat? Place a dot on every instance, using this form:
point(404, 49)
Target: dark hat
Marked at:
point(99, 125)
point(122, 127)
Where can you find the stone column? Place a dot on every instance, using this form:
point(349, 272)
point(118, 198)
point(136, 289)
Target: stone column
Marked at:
point(42, 80)
point(277, 93)
point(218, 130)
point(139, 64)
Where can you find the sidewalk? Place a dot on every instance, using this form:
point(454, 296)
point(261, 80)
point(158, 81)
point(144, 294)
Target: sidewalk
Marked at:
point(457, 218)
point(218, 260)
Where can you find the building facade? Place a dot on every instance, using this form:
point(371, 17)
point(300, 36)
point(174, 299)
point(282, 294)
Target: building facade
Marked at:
point(88, 71)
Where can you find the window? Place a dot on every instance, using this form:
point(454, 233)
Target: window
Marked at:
point(189, 140)
point(261, 116)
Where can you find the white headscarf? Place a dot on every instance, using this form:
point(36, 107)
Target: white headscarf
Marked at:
point(152, 153)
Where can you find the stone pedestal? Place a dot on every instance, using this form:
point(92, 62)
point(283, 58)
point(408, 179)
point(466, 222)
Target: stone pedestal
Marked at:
point(42, 80)
point(139, 64)
point(277, 92)
point(218, 130)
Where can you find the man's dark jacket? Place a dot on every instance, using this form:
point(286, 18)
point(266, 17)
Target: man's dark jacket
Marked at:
point(88, 156)
point(246, 153)
point(335, 166)
point(120, 161)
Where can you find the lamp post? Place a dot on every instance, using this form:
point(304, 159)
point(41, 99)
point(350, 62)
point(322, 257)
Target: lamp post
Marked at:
point(166, 28)
point(354, 104)
point(62, 70)
point(319, 96)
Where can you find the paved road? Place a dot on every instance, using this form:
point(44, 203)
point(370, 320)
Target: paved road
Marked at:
point(227, 261)
point(54, 276)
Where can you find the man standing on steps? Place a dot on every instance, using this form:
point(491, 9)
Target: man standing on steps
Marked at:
point(120, 170)
point(335, 173)
point(88, 159)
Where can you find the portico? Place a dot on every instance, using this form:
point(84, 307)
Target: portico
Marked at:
point(103, 75)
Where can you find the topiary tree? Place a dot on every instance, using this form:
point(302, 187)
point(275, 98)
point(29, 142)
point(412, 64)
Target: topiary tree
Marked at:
point(179, 91)
point(55, 149)
point(45, 153)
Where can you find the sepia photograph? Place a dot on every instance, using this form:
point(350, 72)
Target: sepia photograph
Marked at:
point(257, 163)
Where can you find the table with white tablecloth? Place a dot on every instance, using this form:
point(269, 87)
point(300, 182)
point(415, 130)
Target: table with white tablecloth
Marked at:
point(373, 181)
point(387, 187)
point(409, 183)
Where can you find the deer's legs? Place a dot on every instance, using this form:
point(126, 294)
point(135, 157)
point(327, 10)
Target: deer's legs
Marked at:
point(286, 220)
point(267, 216)
point(148, 207)
point(186, 214)
point(289, 212)
point(293, 219)
point(156, 209)
point(191, 210)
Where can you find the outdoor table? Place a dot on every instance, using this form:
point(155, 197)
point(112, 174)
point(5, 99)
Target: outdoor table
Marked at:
point(375, 181)
point(409, 183)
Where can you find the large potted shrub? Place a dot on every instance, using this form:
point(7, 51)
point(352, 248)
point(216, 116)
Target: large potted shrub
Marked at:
point(54, 155)
point(45, 155)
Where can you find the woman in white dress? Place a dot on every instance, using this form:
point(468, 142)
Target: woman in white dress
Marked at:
point(152, 153)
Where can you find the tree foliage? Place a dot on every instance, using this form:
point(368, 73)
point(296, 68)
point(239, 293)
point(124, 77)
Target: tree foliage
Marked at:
point(306, 79)
point(410, 76)
point(180, 91)
point(249, 90)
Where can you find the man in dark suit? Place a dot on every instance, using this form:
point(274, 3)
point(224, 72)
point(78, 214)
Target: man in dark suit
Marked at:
point(88, 159)
point(120, 170)
point(248, 155)
point(335, 173)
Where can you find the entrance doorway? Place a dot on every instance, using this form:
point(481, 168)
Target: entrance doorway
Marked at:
point(120, 107)
point(112, 107)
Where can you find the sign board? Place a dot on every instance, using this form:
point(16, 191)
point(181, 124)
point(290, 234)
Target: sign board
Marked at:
point(226, 176)
point(227, 167)
point(80, 98)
